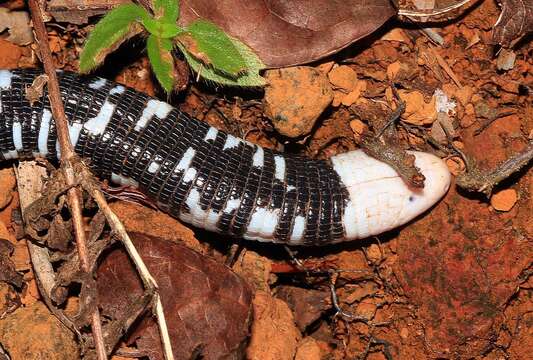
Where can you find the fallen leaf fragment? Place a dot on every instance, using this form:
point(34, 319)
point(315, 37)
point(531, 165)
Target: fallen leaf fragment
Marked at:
point(18, 25)
point(506, 60)
point(515, 21)
point(295, 98)
point(442, 123)
point(78, 11)
point(207, 306)
point(141, 219)
point(284, 33)
point(8, 272)
point(396, 34)
point(307, 305)
point(9, 299)
point(393, 69)
point(504, 200)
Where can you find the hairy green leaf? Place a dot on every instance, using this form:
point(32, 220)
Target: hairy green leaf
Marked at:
point(169, 30)
point(116, 27)
point(249, 79)
point(167, 10)
point(160, 56)
point(216, 48)
point(151, 25)
point(160, 28)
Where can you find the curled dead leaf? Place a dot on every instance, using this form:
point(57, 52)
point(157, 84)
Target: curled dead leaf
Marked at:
point(515, 21)
point(284, 33)
point(207, 306)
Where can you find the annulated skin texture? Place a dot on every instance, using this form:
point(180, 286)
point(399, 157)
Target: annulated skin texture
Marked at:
point(211, 179)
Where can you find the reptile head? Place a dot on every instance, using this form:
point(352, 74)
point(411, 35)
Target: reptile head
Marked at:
point(379, 199)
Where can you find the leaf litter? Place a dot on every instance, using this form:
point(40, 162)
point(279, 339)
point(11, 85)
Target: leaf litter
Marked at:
point(459, 272)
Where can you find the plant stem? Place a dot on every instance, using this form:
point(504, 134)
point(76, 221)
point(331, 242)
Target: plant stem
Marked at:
point(68, 155)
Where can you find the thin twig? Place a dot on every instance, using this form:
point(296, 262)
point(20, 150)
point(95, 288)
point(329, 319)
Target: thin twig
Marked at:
point(444, 65)
point(395, 114)
point(484, 181)
point(68, 155)
point(148, 281)
point(75, 171)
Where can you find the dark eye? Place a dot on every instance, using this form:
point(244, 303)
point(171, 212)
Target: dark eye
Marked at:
point(411, 198)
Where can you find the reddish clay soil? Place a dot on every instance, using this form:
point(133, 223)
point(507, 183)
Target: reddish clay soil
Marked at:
point(456, 283)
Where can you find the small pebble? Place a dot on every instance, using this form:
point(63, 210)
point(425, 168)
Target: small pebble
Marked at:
point(294, 99)
point(417, 110)
point(357, 126)
point(308, 349)
point(504, 200)
point(353, 96)
point(343, 77)
point(7, 185)
point(456, 165)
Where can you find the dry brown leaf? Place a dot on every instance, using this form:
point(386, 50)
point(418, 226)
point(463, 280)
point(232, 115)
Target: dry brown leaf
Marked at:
point(18, 25)
point(207, 306)
point(307, 305)
point(8, 272)
point(79, 11)
point(515, 21)
point(284, 33)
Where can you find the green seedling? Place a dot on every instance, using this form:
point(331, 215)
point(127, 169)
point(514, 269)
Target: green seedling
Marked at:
point(210, 52)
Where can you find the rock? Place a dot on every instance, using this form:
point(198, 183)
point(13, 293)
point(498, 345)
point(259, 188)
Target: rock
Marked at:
point(417, 111)
point(256, 269)
point(294, 99)
point(34, 333)
point(504, 200)
point(308, 349)
point(9, 53)
point(274, 334)
point(7, 185)
point(343, 77)
point(307, 305)
point(354, 95)
point(138, 218)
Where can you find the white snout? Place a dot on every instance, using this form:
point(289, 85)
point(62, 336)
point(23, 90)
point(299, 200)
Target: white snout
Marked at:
point(379, 199)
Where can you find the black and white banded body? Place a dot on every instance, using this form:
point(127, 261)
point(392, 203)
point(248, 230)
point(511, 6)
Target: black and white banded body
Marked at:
point(208, 178)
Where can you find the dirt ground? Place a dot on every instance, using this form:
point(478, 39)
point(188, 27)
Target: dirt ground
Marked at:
point(456, 283)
